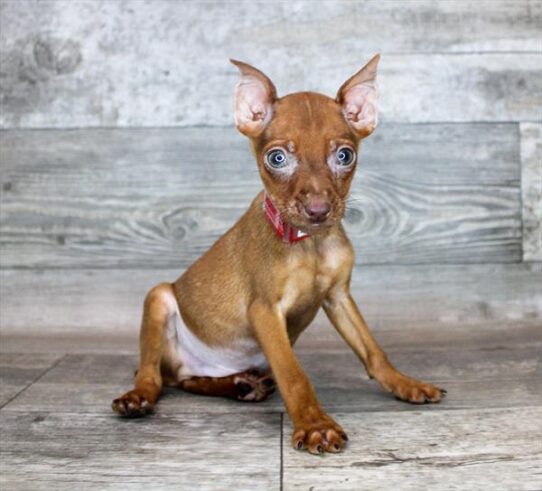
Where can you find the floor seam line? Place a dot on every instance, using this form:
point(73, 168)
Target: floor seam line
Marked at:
point(42, 374)
point(281, 451)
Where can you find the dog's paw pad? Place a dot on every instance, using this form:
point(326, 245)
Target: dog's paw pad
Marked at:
point(252, 386)
point(243, 389)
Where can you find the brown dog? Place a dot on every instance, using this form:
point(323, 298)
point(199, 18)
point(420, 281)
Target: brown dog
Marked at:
point(238, 310)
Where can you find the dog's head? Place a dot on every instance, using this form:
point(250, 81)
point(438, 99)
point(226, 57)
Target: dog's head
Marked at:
point(306, 143)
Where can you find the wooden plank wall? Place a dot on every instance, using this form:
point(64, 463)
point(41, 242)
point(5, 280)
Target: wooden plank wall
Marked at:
point(118, 148)
point(161, 197)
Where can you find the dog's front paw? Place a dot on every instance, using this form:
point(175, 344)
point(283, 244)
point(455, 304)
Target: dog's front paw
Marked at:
point(319, 434)
point(411, 390)
point(253, 386)
point(133, 404)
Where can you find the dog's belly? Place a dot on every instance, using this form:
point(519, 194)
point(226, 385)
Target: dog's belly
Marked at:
point(191, 357)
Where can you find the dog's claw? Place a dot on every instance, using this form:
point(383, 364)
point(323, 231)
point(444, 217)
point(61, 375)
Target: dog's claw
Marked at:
point(320, 435)
point(118, 407)
point(407, 389)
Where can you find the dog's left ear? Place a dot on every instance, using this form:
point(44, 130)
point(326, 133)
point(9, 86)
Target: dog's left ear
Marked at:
point(255, 95)
point(358, 97)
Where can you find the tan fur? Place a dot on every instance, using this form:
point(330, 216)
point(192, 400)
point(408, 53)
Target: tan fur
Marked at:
point(252, 286)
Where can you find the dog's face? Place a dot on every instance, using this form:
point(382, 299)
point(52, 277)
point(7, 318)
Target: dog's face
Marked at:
point(306, 143)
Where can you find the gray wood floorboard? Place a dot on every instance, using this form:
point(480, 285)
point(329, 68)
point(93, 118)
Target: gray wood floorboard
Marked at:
point(54, 433)
point(361, 396)
point(444, 450)
point(476, 377)
point(61, 431)
point(159, 198)
point(481, 361)
point(20, 370)
point(63, 450)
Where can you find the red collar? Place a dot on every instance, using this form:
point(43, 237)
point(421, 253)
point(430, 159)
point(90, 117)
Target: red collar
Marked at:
point(288, 233)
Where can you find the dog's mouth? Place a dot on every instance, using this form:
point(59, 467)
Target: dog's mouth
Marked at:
point(314, 226)
point(312, 223)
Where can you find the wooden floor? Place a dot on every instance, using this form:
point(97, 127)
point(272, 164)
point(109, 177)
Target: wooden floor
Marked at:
point(58, 431)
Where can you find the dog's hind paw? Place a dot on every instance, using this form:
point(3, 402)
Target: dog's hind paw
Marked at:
point(253, 386)
point(132, 405)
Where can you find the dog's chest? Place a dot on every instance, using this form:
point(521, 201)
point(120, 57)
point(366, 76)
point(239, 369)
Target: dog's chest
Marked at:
point(311, 276)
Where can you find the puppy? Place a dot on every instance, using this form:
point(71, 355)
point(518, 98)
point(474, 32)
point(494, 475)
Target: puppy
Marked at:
point(227, 326)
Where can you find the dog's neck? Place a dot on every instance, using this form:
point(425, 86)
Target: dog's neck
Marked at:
point(287, 232)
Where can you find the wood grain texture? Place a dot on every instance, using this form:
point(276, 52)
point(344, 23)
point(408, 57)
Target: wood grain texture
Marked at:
point(360, 396)
point(90, 303)
point(55, 433)
point(531, 190)
point(467, 450)
point(19, 370)
point(63, 450)
point(60, 433)
point(110, 63)
point(153, 198)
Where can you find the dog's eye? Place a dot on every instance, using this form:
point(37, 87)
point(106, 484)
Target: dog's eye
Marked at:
point(276, 159)
point(345, 156)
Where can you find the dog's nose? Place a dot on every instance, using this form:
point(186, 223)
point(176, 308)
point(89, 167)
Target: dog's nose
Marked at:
point(317, 211)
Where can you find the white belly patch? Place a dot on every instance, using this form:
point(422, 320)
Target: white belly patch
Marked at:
point(199, 360)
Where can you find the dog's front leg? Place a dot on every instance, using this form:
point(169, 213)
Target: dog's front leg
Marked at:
point(313, 429)
point(345, 316)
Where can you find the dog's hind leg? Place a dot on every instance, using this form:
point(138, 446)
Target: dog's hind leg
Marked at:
point(160, 305)
point(250, 385)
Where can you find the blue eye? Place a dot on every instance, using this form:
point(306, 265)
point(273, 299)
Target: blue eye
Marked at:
point(345, 156)
point(276, 159)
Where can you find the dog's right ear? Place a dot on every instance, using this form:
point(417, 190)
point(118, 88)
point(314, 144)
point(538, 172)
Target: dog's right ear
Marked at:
point(255, 95)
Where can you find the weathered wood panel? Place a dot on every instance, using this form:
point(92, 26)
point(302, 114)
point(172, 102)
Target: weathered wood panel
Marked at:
point(531, 190)
point(359, 395)
point(480, 375)
point(97, 302)
point(111, 63)
point(42, 450)
point(154, 198)
point(18, 371)
point(467, 450)
point(59, 431)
